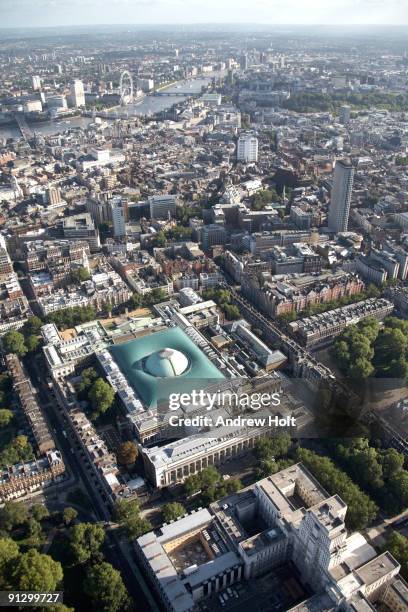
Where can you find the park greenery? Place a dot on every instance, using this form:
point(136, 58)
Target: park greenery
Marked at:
point(6, 416)
point(172, 511)
point(269, 453)
point(79, 275)
point(24, 341)
point(86, 540)
point(371, 292)
point(378, 471)
point(210, 485)
point(70, 317)
point(155, 296)
point(366, 349)
point(397, 545)
point(127, 514)
point(96, 391)
point(104, 586)
point(222, 297)
point(22, 566)
point(331, 102)
point(264, 197)
point(17, 450)
point(361, 509)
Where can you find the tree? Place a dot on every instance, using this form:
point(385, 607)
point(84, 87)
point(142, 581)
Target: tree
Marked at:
point(127, 513)
point(88, 376)
point(79, 275)
point(231, 312)
point(126, 509)
point(36, 572)
point(399, 486)
point(361, 368)
point(127, 453)
point(397, 545)
point(269, 448)
point(155, 296)
point(388, 347)
point(101, 396)
point(392, 462)
point(361, 509)
point(86, 540)
point(32, 326)
point(104, 585)
point(69, 515)
point(32, 343)
point(192, 484)
point(8, 552)
point(18, 450)
point(39, 512)
point(34, 532)
point(136, 300)
point(5, 417)
point(13, 342)
point(13, 514)
point(209, 476)
point(172, 511)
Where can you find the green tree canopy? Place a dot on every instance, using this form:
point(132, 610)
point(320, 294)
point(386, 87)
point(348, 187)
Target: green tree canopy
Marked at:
point(36, 572)
point(101, 396)
point(13, 342)
point(13, 514)
point(79, 275)
point(104, 585)
point(32, 326)
point(69, 515)
point(8, 552)
point(86, 541)
point(6, 417)
point(397, 545)
point(172, 511)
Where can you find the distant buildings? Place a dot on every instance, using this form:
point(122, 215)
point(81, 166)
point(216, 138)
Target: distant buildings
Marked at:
point(77, 94)
point(81, 227)
point(118, 217)
point(323, 328)
point(345, 114)
point(340, 196)
point(36, 82)
point(163, 207)
point(247, 148)
point(213, 235)
point(297, 292)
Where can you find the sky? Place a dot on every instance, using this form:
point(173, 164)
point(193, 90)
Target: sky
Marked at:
point(39, 13)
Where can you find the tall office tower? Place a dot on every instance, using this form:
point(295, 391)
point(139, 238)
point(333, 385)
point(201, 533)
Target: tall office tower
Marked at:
point(77, 93)
point(345, 114)
point(341, 196)
point(118, 217)
point(247, 148)
point(244, 61)
point(163, 206)
point(6, 267)
point(36, 82)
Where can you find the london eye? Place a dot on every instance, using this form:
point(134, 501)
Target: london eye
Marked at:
point(126, 88)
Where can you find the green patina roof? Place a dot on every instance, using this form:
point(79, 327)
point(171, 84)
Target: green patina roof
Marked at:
point(135, 359)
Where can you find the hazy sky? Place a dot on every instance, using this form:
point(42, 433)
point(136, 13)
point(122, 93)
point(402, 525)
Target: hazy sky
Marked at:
point(21, 13)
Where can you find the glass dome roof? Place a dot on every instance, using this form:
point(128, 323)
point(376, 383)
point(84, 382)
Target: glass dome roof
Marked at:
point(166, 363)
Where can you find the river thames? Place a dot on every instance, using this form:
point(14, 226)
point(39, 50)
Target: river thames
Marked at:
point(148, 106)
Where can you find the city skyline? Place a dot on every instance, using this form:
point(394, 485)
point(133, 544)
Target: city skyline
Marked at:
point(55, 13)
